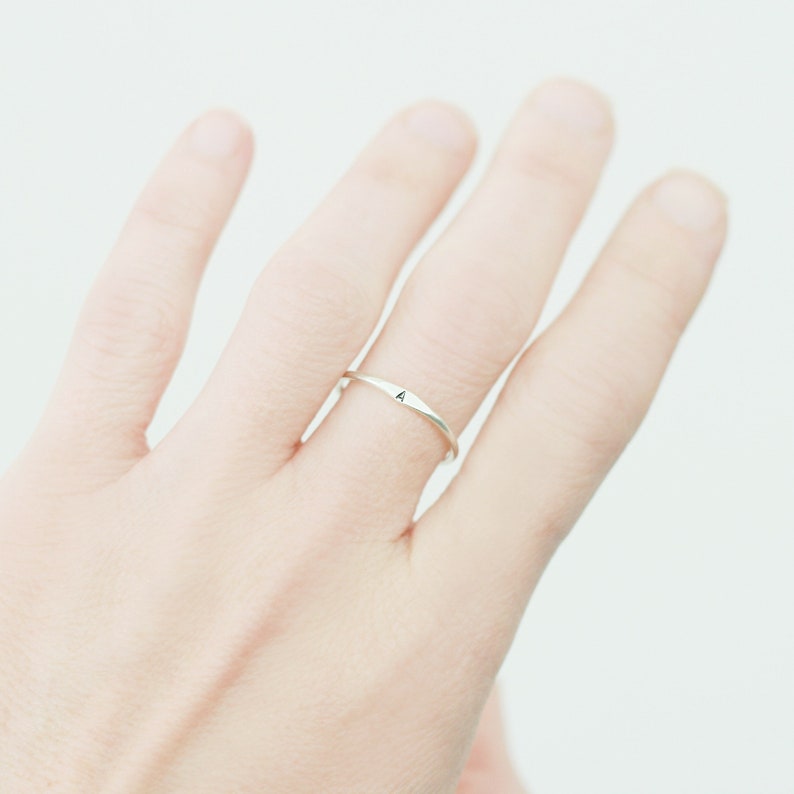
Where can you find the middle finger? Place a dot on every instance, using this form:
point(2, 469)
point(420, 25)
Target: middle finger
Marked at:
point(469, 305)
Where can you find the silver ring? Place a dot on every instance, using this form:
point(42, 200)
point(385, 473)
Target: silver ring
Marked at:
point(409, 400)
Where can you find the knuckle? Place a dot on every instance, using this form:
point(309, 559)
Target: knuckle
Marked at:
point(133, 322)
point(591, 409)
point(180, 221)
point(548, 157)
point(467, 321)
point(548, 161)
point(305, 288)
point(388, 169)
point(666, 286)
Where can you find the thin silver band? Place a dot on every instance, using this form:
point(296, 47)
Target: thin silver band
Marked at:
point(409, 400)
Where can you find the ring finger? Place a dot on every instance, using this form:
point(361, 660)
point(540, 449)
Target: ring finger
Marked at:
point(318, 299)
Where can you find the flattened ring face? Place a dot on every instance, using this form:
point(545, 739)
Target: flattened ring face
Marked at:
point(409, 400)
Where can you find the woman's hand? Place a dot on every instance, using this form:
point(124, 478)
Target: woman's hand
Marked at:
point(238, 611)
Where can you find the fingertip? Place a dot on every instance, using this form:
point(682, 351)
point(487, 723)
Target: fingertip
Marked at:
point(443, 124)
point(695, 206)
point(576, 103)
point(220, 133)
point(690, 200)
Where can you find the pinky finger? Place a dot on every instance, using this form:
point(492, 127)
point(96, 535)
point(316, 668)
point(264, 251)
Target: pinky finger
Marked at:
point(571, 404)
point(133, 324)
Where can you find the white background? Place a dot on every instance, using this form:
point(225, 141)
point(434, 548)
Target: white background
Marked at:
point(658, 652)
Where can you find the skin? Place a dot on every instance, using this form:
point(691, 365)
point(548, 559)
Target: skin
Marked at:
point(239, 610)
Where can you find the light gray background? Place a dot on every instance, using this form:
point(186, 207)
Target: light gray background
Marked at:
point(658, 652)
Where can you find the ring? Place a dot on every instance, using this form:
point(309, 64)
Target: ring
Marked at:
point(409, 400)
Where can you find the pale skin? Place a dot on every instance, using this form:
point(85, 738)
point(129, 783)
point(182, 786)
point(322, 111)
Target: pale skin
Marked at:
point(240, 609)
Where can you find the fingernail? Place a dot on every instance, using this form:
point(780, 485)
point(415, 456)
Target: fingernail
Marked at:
point(440, 125)
point(216, 135)
point(574, 104)
point(689, 201)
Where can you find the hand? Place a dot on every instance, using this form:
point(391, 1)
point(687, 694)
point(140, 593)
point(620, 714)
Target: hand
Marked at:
point(238, 610)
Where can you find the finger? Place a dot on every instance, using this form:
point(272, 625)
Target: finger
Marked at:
point(321, 295)
point(470, 304)
point(132, 327)
point(489, 768)
point(570, 405)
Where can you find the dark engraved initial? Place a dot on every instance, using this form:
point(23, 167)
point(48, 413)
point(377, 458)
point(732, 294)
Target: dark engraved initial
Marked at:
point(400, 396)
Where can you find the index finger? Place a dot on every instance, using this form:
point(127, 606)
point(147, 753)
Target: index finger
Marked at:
point(569, 407)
